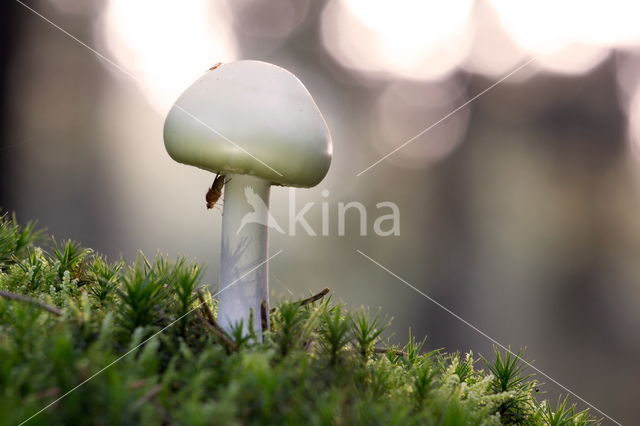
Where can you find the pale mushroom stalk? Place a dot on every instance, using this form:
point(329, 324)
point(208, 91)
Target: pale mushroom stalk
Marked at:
point(244, 272)
point(258, 125)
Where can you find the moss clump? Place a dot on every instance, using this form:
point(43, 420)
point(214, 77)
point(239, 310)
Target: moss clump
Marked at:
point(138, 344)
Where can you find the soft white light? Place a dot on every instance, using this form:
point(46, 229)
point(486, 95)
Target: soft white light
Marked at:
point(494, 53)
point(421, 39)
point(633, 111)
point(273, 19)
point(576, 58)
point(167, 44)
point(570, 36)
point(404, 109)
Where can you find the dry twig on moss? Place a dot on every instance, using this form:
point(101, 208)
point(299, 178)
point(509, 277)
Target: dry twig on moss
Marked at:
point(210, 321)
point(311, 299)
point(387, 350)
point(26, 299)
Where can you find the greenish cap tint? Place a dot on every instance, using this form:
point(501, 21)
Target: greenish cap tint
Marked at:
point(253, 118)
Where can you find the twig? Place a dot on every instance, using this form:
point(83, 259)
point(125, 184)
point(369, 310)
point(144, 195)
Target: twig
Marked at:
point(151, 394)
point(213, 325)
point(49, 393)
point(205, 307)
point(307, 344)
point(27, 299)
point(137, 384)
point(387, 350)
point(264, 315)
point(311, 299)
point(315, 297)
point(220, 334)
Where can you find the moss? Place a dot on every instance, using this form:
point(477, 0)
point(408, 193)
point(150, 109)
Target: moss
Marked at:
point(113, 343)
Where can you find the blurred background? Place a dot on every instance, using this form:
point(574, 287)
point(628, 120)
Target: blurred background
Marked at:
point(520, 212)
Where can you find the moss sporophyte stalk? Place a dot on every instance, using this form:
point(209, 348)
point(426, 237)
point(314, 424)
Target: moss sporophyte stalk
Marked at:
point(86, 340)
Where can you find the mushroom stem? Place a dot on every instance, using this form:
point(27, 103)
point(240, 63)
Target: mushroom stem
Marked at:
point(244, 286)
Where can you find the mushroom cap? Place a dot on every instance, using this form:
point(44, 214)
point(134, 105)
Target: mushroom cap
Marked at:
point(252, 118)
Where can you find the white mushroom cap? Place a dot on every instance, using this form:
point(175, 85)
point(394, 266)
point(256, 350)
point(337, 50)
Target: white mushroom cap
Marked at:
point(252, 118)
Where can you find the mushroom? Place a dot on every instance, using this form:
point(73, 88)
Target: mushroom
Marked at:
point(257, 124)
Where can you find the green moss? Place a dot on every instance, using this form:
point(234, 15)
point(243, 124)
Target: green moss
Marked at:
point(138, 344)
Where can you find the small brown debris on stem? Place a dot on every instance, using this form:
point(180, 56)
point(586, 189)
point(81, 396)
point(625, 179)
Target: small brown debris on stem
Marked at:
point(27, 299)
point(387, 350)
point(215, 192)
point(264, 315)
point(210, 321)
